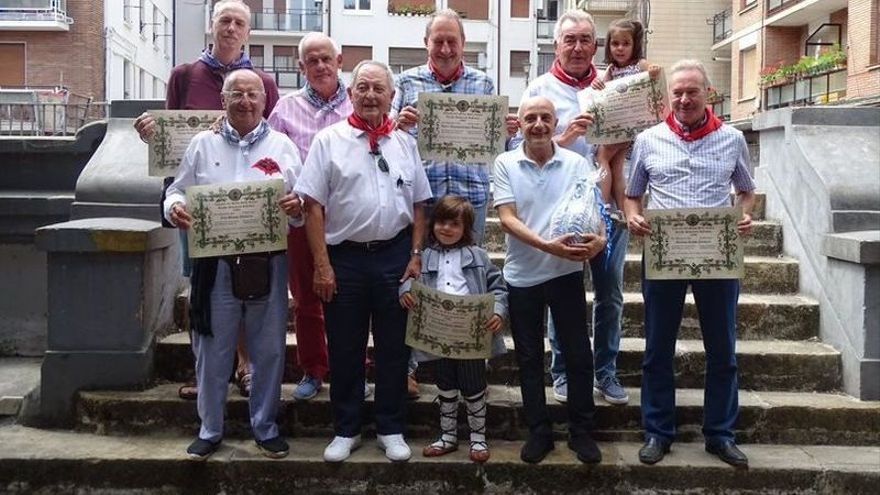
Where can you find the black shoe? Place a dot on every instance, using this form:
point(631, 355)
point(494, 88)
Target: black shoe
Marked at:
point(201, 449)
point(274, 448)
point(536, 448)
point(729, 453)
point(653, 451)
point(586, 449)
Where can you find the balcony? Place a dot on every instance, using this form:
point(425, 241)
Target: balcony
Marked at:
point(287, 20)
point(800, 12)
point(35, 111)
point(595, 6)
point(545, 29)
point(722, 26)
point(819, 89)
point(34, 15)
point(286, 78)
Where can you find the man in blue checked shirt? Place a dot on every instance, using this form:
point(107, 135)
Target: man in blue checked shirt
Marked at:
point(446, 73)
point(690, 161)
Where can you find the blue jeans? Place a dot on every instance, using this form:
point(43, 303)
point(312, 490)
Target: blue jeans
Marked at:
point(566, 299)
point(607, 312)
point(716, 305)
point(367, 283)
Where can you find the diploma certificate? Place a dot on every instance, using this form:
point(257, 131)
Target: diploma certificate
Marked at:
point(174, 130)
point(450, 326)
point(626, 107)
point(236, 218)
point(461, 128)
point(694, 243)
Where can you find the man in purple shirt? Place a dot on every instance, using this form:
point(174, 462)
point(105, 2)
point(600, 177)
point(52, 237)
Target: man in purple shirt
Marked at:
point(689, 161)
point(197, 86)
point(301, 114)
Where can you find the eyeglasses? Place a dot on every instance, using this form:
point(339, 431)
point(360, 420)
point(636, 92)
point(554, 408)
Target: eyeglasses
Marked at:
point(381, 163)
point(240, 95)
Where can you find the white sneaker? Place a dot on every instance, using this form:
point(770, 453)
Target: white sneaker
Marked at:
point(368, 390)
point(341, 447)
point(395, 447)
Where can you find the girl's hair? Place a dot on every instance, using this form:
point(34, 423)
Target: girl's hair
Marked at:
point(635, 29)
point(451, 208)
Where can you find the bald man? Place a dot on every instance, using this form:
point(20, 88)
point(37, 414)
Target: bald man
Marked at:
point(542, 271)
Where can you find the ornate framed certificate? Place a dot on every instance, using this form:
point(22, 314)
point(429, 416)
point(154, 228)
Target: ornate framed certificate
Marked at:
point(461, 128)
point(626, 107)
point(236, 218)
point(694, 244)
point(450, 326)
point(175, 129)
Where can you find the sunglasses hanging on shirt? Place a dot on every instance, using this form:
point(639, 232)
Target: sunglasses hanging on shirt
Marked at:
point(383, 165)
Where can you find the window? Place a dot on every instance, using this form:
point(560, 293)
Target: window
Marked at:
point(519, 8)
point(126, 11)
point(471, 9)
point(748, 73)
point(401, 59)
point(744, 4)
point(143, 84)
point(356, 5)
point(157, 22)
point(283, 58)
point(255, 52)
point(126, 80)
point(138, 14)
point(168, 34)
point(352, 55)
point(518, 61)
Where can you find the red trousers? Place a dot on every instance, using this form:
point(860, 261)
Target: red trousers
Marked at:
point(311, 341)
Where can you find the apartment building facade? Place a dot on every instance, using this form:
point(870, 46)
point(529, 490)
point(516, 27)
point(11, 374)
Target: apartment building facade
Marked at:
point(801, 52)
point(104, 50)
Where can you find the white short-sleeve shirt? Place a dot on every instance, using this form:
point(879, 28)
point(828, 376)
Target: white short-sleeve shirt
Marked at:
point(536, 191)
point(361, 202)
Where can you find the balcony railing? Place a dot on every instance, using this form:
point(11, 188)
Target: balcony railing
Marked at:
point(287, 20)
point(545, 29)
point(819, 89)
point(286, 77)
point(606, 5)
point(774, 6)
point(721, 106)
point(51, 14)
point(722, 26)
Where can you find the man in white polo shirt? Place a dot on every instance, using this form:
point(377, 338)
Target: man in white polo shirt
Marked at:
point(364, 186)
point(541, 272)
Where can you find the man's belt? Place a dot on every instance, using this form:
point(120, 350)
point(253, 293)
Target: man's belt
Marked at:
point(376, 245)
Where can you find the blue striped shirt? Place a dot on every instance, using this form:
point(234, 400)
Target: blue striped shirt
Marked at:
point(696, 174)
point(470, 180)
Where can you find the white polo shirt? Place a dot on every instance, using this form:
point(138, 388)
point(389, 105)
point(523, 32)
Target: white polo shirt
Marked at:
point(362, 203)
point(210, 159)
point(536, 191)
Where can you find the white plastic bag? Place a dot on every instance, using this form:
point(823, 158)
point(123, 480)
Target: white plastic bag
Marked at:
point(579, 211)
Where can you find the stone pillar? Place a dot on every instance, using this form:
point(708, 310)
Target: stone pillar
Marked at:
point(111, 288)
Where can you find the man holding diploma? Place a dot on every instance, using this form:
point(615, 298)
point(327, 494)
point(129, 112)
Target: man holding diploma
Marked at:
point(690, 161)
point(244, 150)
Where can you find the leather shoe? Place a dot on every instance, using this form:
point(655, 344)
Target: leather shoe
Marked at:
point(729, 453)
point(653, 451)
point(536, 448)
point(586, 449)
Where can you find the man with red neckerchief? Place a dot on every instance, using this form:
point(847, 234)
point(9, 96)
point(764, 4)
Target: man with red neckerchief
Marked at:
point(690, 161)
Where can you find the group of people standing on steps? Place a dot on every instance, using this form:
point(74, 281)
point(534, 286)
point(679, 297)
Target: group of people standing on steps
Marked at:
point(368, 216)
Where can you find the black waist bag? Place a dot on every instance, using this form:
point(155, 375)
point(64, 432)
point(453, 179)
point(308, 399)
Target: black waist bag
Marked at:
point(250, 275)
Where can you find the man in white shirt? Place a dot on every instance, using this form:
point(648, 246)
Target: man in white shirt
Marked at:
point(245, 149)
point(364, 186)
point(541, 271)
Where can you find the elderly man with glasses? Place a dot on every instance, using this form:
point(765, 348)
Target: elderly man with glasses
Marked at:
point(364, 187)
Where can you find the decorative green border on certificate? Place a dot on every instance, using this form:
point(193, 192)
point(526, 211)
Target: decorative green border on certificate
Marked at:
point(161, 157)
point(655, 94)
point(476, 343)
point(729, 258)
point(492, 131)
point(270, 218)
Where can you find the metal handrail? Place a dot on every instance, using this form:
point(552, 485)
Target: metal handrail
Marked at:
point(34, 10)
point(48, 119)
point(288, 20)
point(722, 27)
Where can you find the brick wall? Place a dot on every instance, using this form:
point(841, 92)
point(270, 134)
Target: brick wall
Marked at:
point(74, 58)
point(863, 59)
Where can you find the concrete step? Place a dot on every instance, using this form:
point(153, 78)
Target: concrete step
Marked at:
point(40, 461)
point(763, 274)
point(766, 239)
point(763, 365)
point(765, 417)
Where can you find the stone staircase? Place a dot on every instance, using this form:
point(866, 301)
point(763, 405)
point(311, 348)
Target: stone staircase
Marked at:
point(801, 434)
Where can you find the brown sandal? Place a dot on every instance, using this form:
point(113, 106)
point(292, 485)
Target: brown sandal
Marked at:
point(244, 384)
point(188, 391)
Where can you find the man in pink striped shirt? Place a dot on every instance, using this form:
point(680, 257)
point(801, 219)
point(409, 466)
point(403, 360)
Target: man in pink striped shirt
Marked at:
point(322, 102)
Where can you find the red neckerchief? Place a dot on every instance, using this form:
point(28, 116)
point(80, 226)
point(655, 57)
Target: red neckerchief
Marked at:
point(446, 81)
point(374, 134)
point(711, 125)
point(556, 70)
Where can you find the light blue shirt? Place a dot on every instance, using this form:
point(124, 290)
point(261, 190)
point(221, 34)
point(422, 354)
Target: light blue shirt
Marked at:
point(564, 98)
point(695, 174)
point(536, 192)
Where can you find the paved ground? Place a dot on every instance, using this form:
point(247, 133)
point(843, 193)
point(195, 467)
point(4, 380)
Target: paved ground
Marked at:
point(18, 376)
